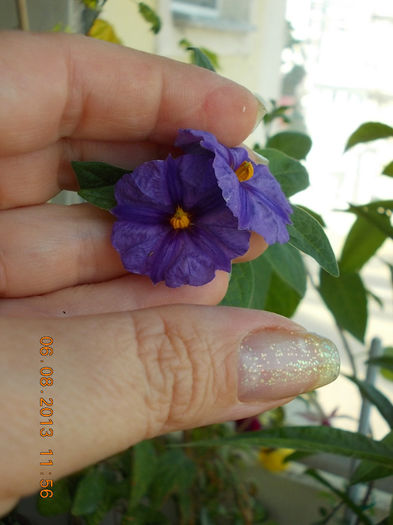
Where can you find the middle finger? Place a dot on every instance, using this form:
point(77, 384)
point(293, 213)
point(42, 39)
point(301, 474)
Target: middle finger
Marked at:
point(35, 177)
point(49, 247)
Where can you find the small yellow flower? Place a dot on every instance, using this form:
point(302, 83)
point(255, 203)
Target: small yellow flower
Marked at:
point(273, 459)
point(102, 30)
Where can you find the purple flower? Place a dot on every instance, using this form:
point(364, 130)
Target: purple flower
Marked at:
point(173, 224)
point(251, 192)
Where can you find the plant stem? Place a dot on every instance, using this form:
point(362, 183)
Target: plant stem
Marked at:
point(331, 514)
point(23, 15)
point(364, 425)
point(347, 349)
point(365, 499)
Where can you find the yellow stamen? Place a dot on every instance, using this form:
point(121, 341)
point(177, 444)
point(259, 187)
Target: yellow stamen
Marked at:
point(181, 219)
point(245, 171)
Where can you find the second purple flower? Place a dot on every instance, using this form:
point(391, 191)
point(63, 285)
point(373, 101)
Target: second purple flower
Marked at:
point(251, 192)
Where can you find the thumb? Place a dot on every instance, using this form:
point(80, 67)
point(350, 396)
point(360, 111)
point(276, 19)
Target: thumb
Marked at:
point(121, 378)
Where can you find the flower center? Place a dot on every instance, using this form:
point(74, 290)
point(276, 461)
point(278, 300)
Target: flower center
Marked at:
point(245, 171)
point(180, 219)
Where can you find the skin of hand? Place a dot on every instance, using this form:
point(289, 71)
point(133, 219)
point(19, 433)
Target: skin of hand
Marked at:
point(130, 360)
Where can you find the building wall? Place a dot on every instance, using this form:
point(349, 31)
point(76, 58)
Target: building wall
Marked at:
point(129, 25)
point(249, 46)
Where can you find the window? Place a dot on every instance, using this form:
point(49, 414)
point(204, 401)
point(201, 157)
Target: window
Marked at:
point(204, 8)
point(212, 4)
point(231, 15)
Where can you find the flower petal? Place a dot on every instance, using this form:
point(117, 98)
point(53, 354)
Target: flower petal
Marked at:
point(146, 184)
point(199, 183)
point(197, 254)
point(258, 203)
point(197, 141)
point(140, 214)
point(220, 232)
point(267, 211)
point(137, 244)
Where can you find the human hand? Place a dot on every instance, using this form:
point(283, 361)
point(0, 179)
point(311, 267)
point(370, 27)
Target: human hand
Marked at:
point(130, 360)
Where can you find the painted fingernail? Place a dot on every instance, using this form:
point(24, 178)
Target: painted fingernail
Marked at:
point(261, 110)
point(274, 364)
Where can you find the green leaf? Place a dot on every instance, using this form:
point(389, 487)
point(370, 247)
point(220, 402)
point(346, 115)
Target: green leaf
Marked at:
point(96, 181)
point(362, 518)
point(185, 502)
point(89, 493)
point(277, 112)
point(289, 172)
point(175, 473)
point(297, 456)
point(377, 398)
point(249, 284)
point(59, 503)
point(150, 16)
point(187, 45)
point(377, 213)
point(292, 143)
point(314, 214)
point(97, 174)
point(346, 298)
point(281, 298)
point(143, 515)
point(241, 286)
point(262, 282)
point(211, 56)
point(367, 132)
point(256, 285)
point(184, 43)
point(307, 235)
point(200, 58)
point(91, 4)
point(116, 489)
point(385, 362)
point(387, 374)
point(287, 262)
point(312, 439)
point(96, 518)
point(144, 470)
point(103, 197)
point(388, 170)
point(204, 517)
point(367, 471)
point(361, 243)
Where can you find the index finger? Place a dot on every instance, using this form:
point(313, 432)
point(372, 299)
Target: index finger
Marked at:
point(56, 86)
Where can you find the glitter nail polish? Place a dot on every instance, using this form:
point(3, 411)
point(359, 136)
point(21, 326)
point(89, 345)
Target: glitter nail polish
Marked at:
point(274, 364)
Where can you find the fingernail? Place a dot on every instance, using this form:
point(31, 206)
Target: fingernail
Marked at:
point(274, 364)
point(261, 110)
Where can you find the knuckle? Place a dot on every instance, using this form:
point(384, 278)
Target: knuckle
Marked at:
point(179, 365)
